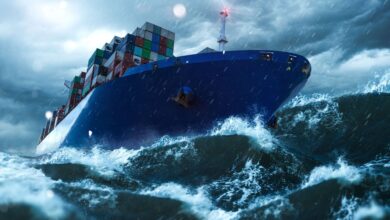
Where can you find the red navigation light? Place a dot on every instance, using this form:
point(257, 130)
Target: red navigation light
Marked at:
point(225, 12)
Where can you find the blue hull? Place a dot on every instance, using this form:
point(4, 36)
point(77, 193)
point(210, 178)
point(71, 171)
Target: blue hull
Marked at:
point(138, 108)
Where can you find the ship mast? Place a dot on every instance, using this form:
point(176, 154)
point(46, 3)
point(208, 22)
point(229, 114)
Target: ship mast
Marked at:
point(222, 37)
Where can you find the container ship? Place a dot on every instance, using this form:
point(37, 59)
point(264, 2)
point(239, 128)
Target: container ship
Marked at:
point(134, 91)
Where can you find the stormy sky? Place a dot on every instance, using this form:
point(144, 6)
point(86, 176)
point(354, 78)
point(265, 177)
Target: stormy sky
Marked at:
point(44, 42)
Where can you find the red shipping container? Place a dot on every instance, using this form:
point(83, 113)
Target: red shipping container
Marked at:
point(144, 61)
point(162, 50)
point(78, 86)
point(121, 68)
point(139, 41)
point(118, 70)
point(83, 74)
point(163, 41)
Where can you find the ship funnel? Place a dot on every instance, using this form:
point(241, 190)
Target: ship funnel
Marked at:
point(222, 37)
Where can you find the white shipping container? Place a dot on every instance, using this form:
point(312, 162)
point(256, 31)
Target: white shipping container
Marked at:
point(91, 70)
point(148, 26)
point(121, 55)
point(164, 32)
point(153, 56)
point(171, 35)
point(148, 35)
point(109, 76)
point(137, 60)
point(139, 32)
point(100, 79)
point(97, 71)
point(94, 81)
point(110, 60)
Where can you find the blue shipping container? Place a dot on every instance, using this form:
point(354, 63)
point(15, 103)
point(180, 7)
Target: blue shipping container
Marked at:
point(107, 54)
point(156, 38)
point(129, 47)
point(138, 51)
point(155, 47)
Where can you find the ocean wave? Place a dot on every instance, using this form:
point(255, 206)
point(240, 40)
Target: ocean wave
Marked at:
point(22, 184)
point(252, 128)
point(106, 162)
point(341, 170)
point(381, 85)
point(196, 199)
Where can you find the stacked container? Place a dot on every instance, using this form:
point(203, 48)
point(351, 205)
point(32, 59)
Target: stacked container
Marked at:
point(147, 44)
point(60, 115)
point(153, 43)
point(75, 92)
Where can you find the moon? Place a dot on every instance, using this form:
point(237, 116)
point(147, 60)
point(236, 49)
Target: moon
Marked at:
point(179, 10)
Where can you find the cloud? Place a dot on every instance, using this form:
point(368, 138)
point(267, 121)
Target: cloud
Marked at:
point(329, 75)
point(48, 42)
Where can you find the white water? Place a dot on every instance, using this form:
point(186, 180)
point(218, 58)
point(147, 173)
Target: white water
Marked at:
point(197, 200)
point(106, 162)
point(21, 183)
point(252, 128)
point(346, 174)
point(381, 85)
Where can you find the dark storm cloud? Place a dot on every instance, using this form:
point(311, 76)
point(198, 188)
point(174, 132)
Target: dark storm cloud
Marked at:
point(44, 43)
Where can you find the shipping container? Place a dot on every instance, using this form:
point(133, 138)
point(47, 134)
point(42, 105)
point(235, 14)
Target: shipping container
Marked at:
point(170, 43)
point(127, 43)
point(171, 35)
point(148, 35)
point(155, 47)
point(113, 61)
point(82, 75)
point(137, 60)
point(138, 51)
point(96, 58)
point(156, 38)
point(99, 72)
point(139, 41)
point(145, 53)
point(169, 52)
point(162, 50)
point(107, 54)
point(144, 60)
point(52, 121)
point(153, 56)
point(47, 128)
point(163, 41)
point(148, 26)
point(109, 76)
point(164, 33)
point(139, 32)
point(157, 30)
point(147, 44)
point(115, 42)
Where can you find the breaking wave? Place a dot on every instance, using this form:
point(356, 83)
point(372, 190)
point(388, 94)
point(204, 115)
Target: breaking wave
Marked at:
point(328, 158)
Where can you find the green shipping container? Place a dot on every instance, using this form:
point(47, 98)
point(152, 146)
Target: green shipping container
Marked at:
point(99, 53)
point(169, 52)
point(77, 79)
point(170, 43)
point(148, 44)
point(145, 53)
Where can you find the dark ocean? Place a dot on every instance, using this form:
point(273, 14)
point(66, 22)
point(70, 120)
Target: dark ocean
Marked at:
point(329, 158)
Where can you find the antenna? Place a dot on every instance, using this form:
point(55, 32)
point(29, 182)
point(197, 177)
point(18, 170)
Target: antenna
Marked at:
point(222, 37)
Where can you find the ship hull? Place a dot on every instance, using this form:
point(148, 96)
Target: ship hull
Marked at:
point(137, 109)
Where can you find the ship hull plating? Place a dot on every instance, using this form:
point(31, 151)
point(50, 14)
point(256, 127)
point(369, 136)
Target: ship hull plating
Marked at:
point(137, 109)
